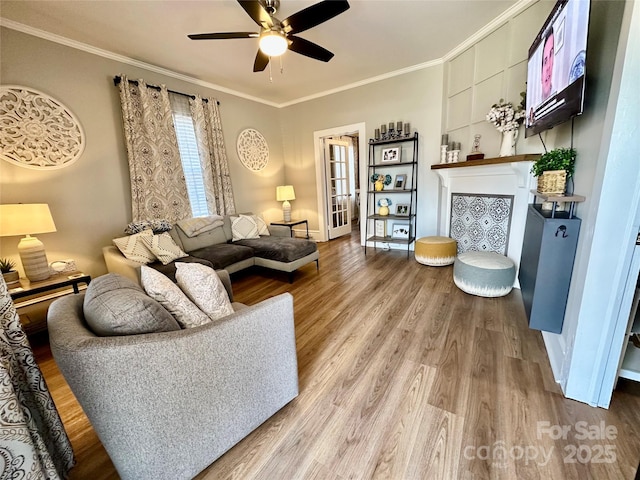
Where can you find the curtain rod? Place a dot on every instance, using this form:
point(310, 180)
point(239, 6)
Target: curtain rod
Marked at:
point(117, 79)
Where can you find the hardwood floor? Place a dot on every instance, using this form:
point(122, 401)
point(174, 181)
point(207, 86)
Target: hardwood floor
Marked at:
point(403, 376)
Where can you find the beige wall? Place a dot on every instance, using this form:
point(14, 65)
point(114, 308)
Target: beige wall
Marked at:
point(90, 200)
point(415, 97)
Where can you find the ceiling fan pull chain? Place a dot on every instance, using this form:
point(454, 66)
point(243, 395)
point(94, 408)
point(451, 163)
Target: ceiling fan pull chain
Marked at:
point(281, 67)
point(270, 77)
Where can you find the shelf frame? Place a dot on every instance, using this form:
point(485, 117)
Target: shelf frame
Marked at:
point(412, 191)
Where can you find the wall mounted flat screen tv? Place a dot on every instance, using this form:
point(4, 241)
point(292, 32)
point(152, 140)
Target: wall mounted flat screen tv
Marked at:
point(556, 67)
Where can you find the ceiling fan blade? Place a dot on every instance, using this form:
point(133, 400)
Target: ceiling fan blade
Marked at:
point(261, 62)
point(257, 12)
point(309, 49)
point(223, 35)
point(314, 15)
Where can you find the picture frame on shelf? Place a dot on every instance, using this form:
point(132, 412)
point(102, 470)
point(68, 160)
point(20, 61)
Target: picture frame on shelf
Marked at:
point(400, 181)
point(381, 228)
point(390, 155)
point(402, 210)
point(400, 231)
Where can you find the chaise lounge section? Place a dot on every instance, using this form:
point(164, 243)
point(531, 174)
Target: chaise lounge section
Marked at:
point(217, 249)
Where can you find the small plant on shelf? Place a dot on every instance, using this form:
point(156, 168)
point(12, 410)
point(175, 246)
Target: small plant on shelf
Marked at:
point(556, 159)
point(9, 273)
point(553, 169)
point(379, 181)
point(6, 265)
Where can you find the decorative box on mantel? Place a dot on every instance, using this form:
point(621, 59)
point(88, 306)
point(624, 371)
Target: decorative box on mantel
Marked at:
point(490, 176)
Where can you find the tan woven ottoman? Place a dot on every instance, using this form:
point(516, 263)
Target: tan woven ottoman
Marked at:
point(436, 251)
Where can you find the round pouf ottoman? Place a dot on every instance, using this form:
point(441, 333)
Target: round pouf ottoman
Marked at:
point(436, 251)
point(485, 274)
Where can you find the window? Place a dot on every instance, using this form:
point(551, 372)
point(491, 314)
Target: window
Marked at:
point(189, 155)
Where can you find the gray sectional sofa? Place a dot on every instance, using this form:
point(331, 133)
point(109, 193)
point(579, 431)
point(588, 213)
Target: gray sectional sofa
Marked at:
point(215, 248)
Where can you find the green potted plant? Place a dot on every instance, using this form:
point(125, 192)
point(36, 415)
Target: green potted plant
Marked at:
point(553, 169)
point(9, 273)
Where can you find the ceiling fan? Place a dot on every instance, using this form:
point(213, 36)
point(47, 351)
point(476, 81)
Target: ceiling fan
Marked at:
point(277, 36)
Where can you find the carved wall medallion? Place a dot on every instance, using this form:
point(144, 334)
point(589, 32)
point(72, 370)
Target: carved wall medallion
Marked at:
point(36, 130)
point(252, 149)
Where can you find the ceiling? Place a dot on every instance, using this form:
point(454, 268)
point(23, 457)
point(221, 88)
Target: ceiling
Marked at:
point(373, 39)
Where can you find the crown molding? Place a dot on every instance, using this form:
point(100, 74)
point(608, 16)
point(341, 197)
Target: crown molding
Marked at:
point(512, 11)
point(4, 22)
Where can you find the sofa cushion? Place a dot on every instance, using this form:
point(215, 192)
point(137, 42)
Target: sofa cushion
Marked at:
point(280, 249)
point(223, 255)
point(162, 246)
point(203, 286)
point(160, 288)
point(115, 305)
point(134, 248)
point(205, 239)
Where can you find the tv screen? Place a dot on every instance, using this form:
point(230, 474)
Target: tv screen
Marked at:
point(556, 67)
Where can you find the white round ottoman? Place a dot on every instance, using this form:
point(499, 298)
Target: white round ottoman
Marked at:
point(485, 274)
point(436, 251)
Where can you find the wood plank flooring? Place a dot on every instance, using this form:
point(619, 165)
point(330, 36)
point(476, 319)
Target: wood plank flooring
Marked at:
point(403, 376)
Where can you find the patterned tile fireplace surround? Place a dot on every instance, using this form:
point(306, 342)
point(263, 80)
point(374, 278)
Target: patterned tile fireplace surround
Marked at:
point(483, 204)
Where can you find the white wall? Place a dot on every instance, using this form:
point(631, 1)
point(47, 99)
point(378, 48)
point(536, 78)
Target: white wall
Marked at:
point(90, 200)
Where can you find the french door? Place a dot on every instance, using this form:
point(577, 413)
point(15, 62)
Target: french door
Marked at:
point(336, 156)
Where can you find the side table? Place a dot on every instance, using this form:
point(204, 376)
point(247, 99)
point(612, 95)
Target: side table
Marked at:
point(32, 293)
point(292, 224)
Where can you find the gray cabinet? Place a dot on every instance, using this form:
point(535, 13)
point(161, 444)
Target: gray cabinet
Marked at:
point(546, 264)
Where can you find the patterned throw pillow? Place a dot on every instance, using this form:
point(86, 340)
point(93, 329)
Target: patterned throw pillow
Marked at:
point(134, 248)
point(169, 295)
point(157, 226)
point(243, 227)
point(203, 286)
point(262, 226)
point(162, 246)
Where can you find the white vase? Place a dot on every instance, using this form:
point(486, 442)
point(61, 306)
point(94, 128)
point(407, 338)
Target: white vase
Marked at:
point(508, 145)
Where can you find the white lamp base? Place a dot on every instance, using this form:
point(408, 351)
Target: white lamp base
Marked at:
point(33, 258)
point(286, 211)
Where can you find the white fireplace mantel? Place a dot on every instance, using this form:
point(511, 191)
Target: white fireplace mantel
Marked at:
point(499, 176)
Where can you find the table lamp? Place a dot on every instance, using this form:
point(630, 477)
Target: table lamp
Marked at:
point(27, 219)
point(285, 193)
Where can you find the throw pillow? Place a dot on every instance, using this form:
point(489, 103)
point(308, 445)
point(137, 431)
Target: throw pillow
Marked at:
point(115, 305)
point(262, 226)
point(160, 288)
point(158, 226)
point(162, 246)
point(243, 227)
point(203, 286)
point(134, 248)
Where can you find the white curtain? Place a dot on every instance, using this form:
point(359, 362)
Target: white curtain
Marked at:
point(158, 187)
point(213, 155)
point(33, 442)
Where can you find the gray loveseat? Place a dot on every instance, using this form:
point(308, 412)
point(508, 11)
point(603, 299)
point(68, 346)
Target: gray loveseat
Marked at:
point(166, 405)
point(215, 248)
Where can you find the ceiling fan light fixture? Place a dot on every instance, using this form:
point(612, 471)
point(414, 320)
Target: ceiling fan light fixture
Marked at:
point(273, 43)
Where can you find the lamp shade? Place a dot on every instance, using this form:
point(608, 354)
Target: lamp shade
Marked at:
point(285, 192)
point(25, 219)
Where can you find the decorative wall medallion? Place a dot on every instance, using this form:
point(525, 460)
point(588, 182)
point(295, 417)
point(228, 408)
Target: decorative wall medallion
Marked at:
point(37, 131)
point(481, 222)
point(252, 149)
